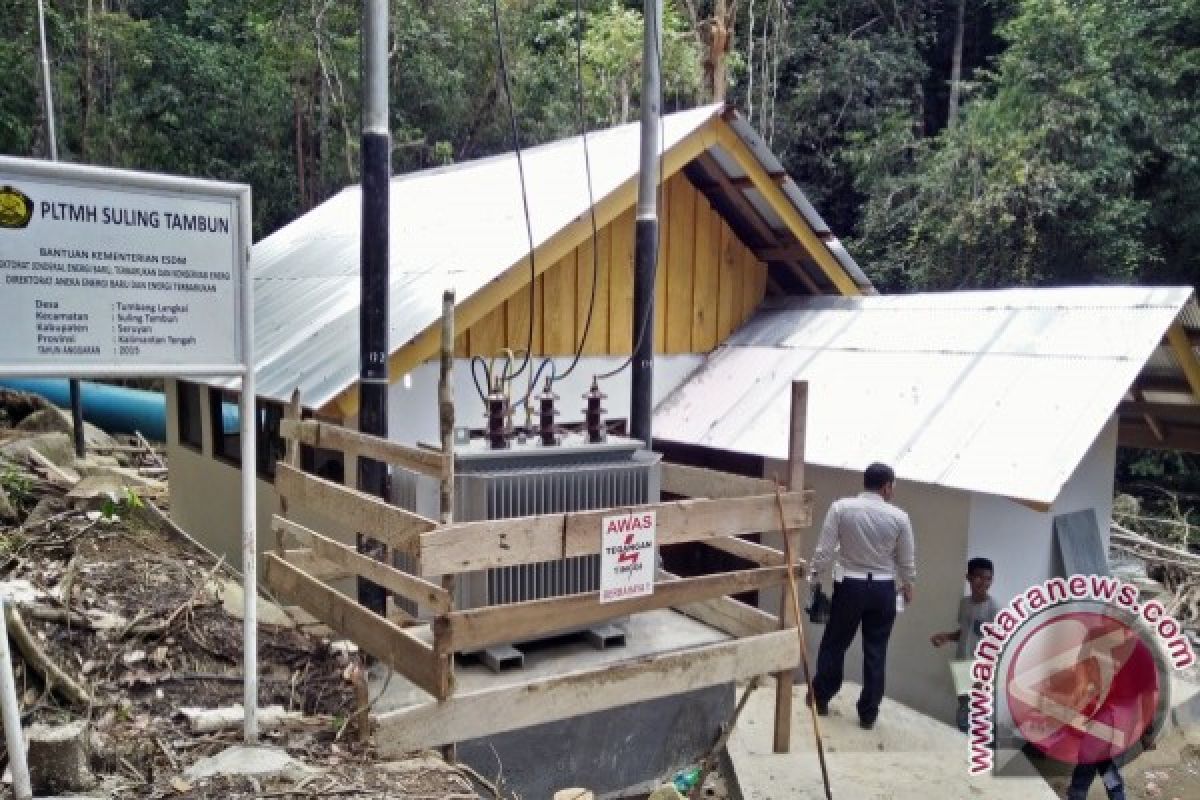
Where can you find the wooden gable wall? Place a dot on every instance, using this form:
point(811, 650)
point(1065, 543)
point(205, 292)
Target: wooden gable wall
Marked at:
point(708, 283)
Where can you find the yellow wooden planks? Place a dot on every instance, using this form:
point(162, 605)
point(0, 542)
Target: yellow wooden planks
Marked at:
point(620, 309)
point(707, 281)
point(660, 274)
point(558, 307)
point(595, 260)
point(728, 302)
point(748, 280)
point(681, 253)
point(488, 335)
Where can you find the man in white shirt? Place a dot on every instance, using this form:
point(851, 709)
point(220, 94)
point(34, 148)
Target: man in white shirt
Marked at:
point(873, 544)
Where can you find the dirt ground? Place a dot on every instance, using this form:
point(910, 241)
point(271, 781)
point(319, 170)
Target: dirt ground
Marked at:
point(130, 611)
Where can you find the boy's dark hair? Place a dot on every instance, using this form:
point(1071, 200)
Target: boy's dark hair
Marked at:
point(979, 564)
point(877, 476)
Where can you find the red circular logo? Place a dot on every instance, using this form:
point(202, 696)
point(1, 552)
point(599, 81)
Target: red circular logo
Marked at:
point(1083, 687)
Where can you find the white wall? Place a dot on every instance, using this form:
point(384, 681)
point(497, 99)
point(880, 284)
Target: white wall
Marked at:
point(412, 401)
point(917, 674)
point(206, 493)
point(1020, 541)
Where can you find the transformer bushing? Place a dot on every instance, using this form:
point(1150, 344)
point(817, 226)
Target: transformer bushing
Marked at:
point(497, 420)
point(593, 414)
point(546, 415)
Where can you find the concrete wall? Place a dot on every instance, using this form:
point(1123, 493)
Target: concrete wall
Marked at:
point(1020, 541)
point(206, 493)
point(916, 673)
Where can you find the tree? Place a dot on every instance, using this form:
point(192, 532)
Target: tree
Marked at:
point(1054, 175)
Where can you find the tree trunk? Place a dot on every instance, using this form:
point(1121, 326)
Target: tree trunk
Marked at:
point(956, 66)
point(85, 84)
point(300, 162)
point(623, 89)
point(58, 758)
point(720, 35)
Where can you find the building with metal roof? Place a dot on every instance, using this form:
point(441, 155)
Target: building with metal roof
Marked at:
point(734, 228)
point(461, 227)
point(1001, 411)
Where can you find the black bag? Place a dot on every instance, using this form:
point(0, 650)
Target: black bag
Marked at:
point(819, 606)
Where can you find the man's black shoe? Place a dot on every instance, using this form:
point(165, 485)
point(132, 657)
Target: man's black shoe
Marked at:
point(822, 708)
point(866, 724)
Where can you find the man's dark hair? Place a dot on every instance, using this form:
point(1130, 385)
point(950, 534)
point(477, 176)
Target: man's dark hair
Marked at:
point(877, 476)
point(980, 564)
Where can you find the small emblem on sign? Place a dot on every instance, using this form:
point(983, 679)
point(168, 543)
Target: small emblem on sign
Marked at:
point(16, 209)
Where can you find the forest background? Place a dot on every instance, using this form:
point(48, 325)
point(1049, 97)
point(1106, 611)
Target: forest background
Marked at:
point(950, 143)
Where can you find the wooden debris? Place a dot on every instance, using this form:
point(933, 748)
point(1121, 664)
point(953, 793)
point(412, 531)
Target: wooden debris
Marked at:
point(53, 674)
point(210, 720)
point(64, 477)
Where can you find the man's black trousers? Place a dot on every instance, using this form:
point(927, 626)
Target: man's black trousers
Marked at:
point(870, 603)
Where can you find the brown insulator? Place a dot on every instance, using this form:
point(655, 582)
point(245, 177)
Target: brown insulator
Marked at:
point(497, 420)
point(593, 414)
point(546, 415)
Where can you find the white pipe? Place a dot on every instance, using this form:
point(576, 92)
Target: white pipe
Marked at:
point(13, 736)
point(249, 418)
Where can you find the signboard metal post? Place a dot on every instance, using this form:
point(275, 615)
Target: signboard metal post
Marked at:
point(115, 273)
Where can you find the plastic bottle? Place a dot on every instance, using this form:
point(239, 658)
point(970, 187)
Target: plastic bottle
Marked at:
point(686, 779)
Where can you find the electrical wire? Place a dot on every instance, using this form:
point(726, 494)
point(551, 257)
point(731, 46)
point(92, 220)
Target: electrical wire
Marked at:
point(516, 139)
point(487, 377)
point(661, 191)
point(587, 166)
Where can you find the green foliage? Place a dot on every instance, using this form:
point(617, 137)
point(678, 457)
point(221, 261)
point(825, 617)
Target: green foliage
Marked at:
point(113, 507)
point(1055, 173)
point(17, 485)
point(1074, 157)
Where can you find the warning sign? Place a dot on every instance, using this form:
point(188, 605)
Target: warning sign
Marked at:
point(119, 273)
point(627, 557)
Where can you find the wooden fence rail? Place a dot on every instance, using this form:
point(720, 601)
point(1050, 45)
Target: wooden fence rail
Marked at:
point(717, 510)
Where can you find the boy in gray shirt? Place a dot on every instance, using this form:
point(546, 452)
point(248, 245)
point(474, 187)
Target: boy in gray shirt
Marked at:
point(974, 610)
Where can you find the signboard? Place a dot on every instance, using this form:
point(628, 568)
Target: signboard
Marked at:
point(113, 272)
point(627, 555)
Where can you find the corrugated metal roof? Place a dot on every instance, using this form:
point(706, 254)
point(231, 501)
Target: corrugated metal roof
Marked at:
point(457, 227)
point(1000, 392)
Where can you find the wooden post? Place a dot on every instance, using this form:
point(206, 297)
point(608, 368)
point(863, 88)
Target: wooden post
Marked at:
point(787, 616)
point(291, 457)
point(446, 493)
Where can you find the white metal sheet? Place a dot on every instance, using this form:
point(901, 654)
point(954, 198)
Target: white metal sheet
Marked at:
point(1000, 392)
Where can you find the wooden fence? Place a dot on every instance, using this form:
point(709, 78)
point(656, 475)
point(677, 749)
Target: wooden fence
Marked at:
point(716, 510)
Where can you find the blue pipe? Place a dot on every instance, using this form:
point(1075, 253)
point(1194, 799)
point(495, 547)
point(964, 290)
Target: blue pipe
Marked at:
point(116, 409)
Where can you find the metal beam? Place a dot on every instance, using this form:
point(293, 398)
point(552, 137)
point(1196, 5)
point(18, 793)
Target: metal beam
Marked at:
point(1178, 339)
point(1136, 433)
point(1168, 385)
point(1164, 412)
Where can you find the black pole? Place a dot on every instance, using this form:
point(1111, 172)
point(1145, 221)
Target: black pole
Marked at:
point(373, 309)
point(52, 140)
point(77, 418)
point(641, 400)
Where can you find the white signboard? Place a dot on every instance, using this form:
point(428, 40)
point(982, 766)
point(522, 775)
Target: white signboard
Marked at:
point(627, 555)
point(106, 271)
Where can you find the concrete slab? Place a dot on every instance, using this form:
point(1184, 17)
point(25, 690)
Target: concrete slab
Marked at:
point(907, 755)
point(645, 634)
point(619, 752)
point(260, 762)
